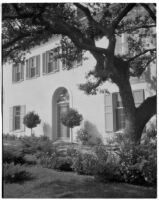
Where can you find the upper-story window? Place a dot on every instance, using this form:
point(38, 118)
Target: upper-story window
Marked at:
point(33, 67)
point(17, 72)
point(51, 61)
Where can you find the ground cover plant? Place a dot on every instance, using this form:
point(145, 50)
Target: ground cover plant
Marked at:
point(15, 173)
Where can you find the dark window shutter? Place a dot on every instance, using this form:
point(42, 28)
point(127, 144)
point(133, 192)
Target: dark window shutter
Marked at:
point(138, 97)
point(38, 65)
point(22, 114)
point(44, 63)
point(27, 69)
point(11, 119)
point(47, 60)
point(110, 120)
point(22, 71)
point(57, 60)
point(13, 73)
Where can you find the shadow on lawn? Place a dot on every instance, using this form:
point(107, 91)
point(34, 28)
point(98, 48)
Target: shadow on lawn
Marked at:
point(93, 189)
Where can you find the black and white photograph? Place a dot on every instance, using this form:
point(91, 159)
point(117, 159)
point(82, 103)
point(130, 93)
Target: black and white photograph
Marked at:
point(79, 99)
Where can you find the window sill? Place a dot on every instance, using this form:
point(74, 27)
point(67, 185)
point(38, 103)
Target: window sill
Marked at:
point(17, 131)
point(136, 81)
point(17, 82)
point(51, 73)
point(32, 78)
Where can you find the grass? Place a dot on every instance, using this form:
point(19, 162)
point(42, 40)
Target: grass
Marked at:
point(52, 184)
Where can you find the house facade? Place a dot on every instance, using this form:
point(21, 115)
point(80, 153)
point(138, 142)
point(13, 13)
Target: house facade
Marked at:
point(42, 86)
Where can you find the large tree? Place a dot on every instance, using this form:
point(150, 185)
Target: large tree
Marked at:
point(27, 25)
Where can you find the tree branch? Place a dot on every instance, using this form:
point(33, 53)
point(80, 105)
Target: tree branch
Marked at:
point(142, 53)
point(90, 18)
point(136, 28)
point(121, 15)
point(152, 14)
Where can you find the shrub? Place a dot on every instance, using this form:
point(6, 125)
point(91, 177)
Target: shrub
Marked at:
point(72, 152)
point(13, 154)
point(30, 159)
point(57, 162)
point(71, 118)
point(84, 163)
point(83, 136)
point(31, 120)
point(106, 166)
point(9, 136)
point(63, 163)
point(15, 173)
point(35, 145)
point(138, 163)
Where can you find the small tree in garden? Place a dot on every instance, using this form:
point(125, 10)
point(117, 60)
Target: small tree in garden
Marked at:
point(71, 118)
point(31, 120)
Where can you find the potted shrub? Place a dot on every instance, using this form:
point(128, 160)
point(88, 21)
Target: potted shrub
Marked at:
point(31, 120)
point(71, 118)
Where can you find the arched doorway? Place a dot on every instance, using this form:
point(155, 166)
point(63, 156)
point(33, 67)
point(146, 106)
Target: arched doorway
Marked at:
point(60, 104)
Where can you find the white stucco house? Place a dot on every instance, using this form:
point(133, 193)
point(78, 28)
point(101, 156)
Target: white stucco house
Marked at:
point(41, 85)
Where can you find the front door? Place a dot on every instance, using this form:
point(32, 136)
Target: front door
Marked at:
point(62, 131)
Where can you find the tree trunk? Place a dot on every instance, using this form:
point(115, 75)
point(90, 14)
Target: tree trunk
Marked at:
point(143, 114)
point(135, 118)
point(129, 108)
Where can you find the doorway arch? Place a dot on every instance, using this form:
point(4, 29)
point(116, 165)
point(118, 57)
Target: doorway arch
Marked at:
point(61, 101)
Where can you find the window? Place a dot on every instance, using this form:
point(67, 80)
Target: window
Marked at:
point(17, 72)
point(16, 121)
point(50, 61)
point(114, 111)
point(16, 118)
point(33, 67)
point(120, 115)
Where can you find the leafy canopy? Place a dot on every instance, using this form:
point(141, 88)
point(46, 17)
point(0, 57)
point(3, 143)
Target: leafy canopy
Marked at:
point(79, 25)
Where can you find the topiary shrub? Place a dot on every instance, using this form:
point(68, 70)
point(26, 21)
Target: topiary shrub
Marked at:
point(31, 120)
point(71, 118)
point(15, 173)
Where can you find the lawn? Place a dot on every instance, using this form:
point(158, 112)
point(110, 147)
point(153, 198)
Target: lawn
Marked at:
point(49, 183)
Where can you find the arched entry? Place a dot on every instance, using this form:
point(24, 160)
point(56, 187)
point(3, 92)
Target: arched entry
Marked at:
point(60, 104)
